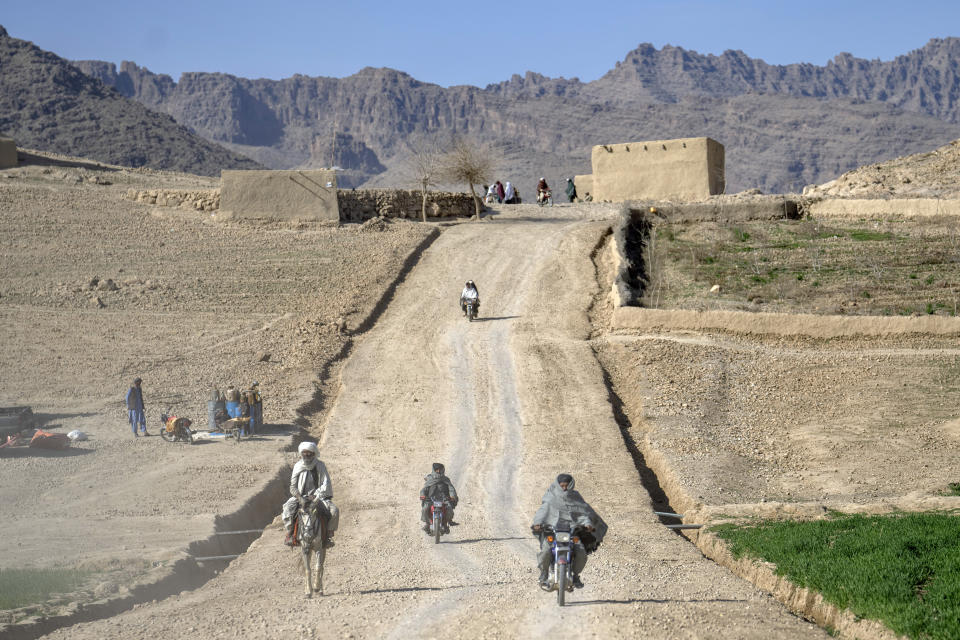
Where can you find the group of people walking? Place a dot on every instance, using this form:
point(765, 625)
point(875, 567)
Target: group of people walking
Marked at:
point(499, 193)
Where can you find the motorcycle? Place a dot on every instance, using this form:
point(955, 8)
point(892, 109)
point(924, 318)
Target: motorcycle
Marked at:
point(472, 304)
point(545, 197)
point(438, 513)
point(561, 548)
point(174, 429)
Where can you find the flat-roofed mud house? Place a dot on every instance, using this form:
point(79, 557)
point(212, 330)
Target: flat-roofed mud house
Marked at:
point(686, 169)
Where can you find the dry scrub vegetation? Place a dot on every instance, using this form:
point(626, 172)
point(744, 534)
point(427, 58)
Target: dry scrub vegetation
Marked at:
point(864, 267)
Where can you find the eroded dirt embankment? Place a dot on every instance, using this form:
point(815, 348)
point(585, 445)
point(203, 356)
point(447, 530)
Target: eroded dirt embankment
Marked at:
point(744, 415)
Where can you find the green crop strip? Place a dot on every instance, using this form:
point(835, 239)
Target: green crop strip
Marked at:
point(903, 570)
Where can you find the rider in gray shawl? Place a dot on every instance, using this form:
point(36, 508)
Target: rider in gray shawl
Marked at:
point(437, 486)
point(562, 507)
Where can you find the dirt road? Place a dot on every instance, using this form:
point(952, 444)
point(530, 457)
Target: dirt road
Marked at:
point(506, 403)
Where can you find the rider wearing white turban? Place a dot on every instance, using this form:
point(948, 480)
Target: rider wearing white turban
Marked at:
point(310, 480)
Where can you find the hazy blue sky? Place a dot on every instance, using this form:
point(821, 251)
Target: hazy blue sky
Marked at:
point(454, 42)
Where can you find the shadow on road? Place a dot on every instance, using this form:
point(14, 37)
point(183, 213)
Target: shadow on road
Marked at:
point(497, 318)
point(648, 601)
point(475, 540)
point(447, 588)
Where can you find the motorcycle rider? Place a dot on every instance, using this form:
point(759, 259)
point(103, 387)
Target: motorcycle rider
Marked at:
point(309, 480)
point(561, 508)
point(543, 190)
point(437, 486)
point(469, 293)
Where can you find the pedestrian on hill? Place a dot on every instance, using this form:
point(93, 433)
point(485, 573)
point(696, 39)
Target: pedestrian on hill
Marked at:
point(571, 190)
point(135, 408)
point(501, 192)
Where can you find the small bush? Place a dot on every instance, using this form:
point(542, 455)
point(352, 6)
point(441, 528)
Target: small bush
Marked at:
point(864, 235)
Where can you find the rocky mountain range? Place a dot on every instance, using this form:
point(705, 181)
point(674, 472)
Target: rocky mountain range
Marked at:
point(48, 104)
point(783, 126)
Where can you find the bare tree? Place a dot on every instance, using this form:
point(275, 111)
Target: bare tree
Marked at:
point(470, 162)
point(426, 165)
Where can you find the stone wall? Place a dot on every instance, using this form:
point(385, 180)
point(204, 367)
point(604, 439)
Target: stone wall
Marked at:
point(8, 153)
point(362, 204)
point(353, 205)
point(686, 169)
point(280, 195)
point(201, 200)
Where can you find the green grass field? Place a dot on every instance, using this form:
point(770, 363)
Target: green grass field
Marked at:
point(22, 587)
point(901, 569)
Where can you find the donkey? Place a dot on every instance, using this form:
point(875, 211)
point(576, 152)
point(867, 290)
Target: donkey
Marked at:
point(311, 532)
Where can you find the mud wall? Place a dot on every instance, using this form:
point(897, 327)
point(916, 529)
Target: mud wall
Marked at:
point(877, 208)
point(584, 186)
point(8, 153)
point(362, 204)
point(685, 169)
point(280, 195)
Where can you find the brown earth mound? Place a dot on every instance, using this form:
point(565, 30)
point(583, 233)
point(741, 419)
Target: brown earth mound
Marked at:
point(933, 174)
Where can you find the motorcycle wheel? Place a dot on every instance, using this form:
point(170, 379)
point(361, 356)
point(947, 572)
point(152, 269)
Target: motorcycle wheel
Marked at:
point(189, 436)
point(436, 530)
point(169, 436)
point(236, 435)
point(561, 585)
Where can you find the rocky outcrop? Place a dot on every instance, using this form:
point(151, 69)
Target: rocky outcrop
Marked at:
point(48, 104)
point(784, 126)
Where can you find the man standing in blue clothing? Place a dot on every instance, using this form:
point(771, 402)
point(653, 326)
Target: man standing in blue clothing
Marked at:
point(135, 408)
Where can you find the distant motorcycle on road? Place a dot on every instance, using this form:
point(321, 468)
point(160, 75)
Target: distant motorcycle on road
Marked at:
point(471, 310)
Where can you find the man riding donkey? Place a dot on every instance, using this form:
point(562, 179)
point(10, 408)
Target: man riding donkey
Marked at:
point(310, 480)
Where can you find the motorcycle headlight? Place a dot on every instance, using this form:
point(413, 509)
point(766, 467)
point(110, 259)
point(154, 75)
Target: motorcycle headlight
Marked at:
point(563, 536)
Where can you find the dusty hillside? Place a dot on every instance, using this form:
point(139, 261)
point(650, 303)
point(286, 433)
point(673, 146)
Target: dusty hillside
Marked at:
point(46, 103)
point(97, 290)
